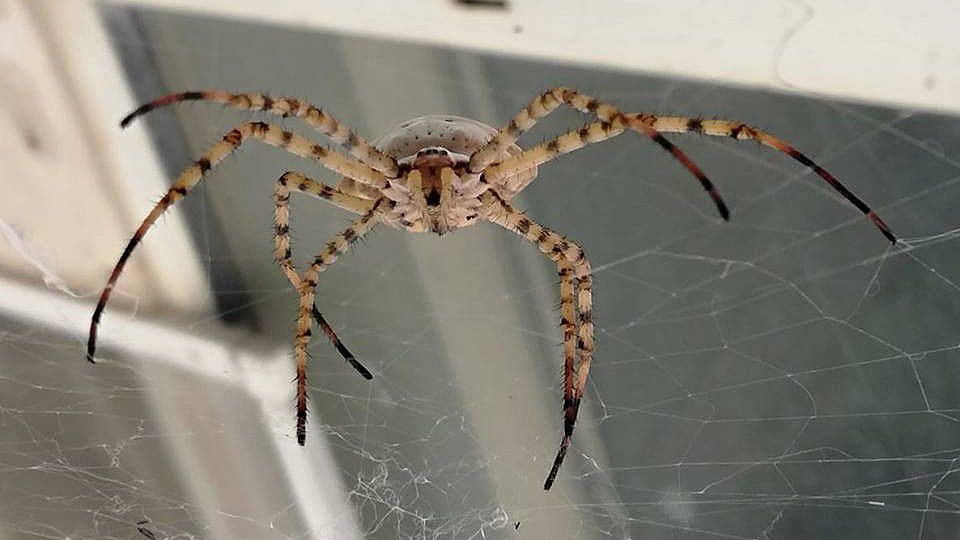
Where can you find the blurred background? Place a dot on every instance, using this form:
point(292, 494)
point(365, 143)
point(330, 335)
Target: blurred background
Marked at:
point(787, 375)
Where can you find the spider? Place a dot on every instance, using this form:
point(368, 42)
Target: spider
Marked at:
point(437, 174)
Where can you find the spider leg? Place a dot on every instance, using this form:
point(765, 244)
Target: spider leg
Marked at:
point(571, 404)
point(539, 107)
point(282, 252)
point(308, 285)
point(292, 181)
point(593, 133)
point(576, 295)
point(192, 175)
point(337, 344)
point(284, 106)
point(547, 102)
point(740, 131)
point(357, 189)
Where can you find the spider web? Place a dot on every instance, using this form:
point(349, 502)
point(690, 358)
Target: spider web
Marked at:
point(785, 375)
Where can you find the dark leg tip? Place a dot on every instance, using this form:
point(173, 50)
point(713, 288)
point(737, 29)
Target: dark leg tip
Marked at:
point(556, 463)
point(724, 212)
point(718, 201)
point(129, 118)
point(341, 348)
point(882, 226)
point(366, 374)
point(359, 367)
point(302, 423)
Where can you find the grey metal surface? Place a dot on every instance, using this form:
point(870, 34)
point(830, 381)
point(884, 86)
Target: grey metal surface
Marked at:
point(786, 375)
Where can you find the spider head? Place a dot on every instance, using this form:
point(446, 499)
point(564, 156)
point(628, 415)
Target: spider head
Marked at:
point(434, 166)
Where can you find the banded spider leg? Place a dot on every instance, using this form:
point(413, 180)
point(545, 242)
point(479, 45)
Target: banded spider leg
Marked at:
point(576, 295)
point(282, 252)
point(298, 145)
point(612, 123)
point(308, 285)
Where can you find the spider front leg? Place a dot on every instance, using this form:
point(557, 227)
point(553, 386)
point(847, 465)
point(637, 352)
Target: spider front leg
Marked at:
point(189, 178)
point(539, 107)
point(612, 122)
point(652, 126)
point(743, 132)
point(576, 298)
point(307, 289)
point(593, 133)
point(282, 251)
point(316, 117)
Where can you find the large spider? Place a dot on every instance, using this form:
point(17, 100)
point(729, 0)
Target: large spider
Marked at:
point(440, 173)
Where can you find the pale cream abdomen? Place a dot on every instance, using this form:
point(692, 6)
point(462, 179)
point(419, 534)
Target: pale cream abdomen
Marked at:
point(455, 133)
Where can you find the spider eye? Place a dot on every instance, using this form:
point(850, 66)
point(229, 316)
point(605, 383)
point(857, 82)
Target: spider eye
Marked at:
point(433, 151)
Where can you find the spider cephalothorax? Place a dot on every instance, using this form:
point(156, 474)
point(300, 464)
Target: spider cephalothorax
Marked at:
point(436, 191)
point(439, 173)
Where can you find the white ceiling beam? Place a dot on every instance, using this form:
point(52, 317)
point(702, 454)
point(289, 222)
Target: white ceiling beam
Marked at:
point(883, 51)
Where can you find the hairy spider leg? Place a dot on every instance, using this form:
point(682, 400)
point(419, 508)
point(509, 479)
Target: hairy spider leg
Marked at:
point(612, 120)
point(599, 131)
point(293, 181)
point(576, 292)
point(192, 175)
point(308, 285)
point(743, 132)
point(314, 116)
point(538, 108)
point(357, 189)
point(282, 251)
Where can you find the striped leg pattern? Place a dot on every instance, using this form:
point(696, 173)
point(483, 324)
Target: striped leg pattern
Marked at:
point(576, 298)
point(743, 132)
point(284, 107)
point(357, 189)
point(612, 120)
point(307, 289)
point(538, 108)
point(189, 178)
point(282, 250)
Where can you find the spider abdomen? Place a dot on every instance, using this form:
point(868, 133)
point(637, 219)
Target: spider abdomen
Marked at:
point(456, 134)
